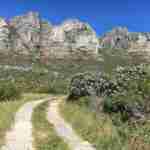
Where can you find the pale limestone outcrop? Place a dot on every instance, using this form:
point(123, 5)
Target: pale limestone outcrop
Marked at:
point(25, 33)
point(71, 39)
point(4, 36)
point(136, 43)
point(28, 35)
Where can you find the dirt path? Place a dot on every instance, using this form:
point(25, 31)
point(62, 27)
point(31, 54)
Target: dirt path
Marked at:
point(64, 130)
point(20, 136)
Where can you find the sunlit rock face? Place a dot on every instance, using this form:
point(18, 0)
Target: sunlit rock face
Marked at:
point(141, 46)
point(121, 38)
point(81, 36)
point(4, 36)
point(136, 43)
point(117, 38)
point(25, 33)
point(32, 37)
point(29, 35)
point(71, 39)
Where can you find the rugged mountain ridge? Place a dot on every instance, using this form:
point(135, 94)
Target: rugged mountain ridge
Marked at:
point(121, 38)
point(30, 36)
point(135, 43)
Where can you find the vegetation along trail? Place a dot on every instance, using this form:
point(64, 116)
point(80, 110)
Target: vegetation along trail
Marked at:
point(20, 136)
point(64, 130)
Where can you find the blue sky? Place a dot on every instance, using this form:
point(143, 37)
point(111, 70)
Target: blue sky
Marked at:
point(102, 15)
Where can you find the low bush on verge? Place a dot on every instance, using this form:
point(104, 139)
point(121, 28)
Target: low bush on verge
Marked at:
point(126, 92)
point(9, 90)
point(105, 131)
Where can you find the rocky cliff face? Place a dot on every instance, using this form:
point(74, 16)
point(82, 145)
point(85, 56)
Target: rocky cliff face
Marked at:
point(136, 43)
point(30, 36)
point(121, 38)
point(116, 39)
point(71, 39)
point(4, 36)
point(25, 33)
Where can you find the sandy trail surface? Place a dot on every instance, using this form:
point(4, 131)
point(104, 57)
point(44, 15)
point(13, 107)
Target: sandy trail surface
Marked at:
point(20, 135)
point(64, 130)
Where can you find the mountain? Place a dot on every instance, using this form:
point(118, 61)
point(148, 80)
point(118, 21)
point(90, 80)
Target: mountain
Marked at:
point(29, 37)
point(135, 43)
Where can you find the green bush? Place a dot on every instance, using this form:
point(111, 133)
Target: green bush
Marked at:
point(9, 91)
point(133, 96)
point(58, 87)
point(127, 91)
point(85, 84)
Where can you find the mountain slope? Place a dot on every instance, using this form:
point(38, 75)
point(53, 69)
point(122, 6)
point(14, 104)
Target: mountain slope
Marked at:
point(28, 36)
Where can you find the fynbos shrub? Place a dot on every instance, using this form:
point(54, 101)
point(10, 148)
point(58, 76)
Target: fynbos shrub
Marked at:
point(9, 90)
point(126, 92)
point(85, 84)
